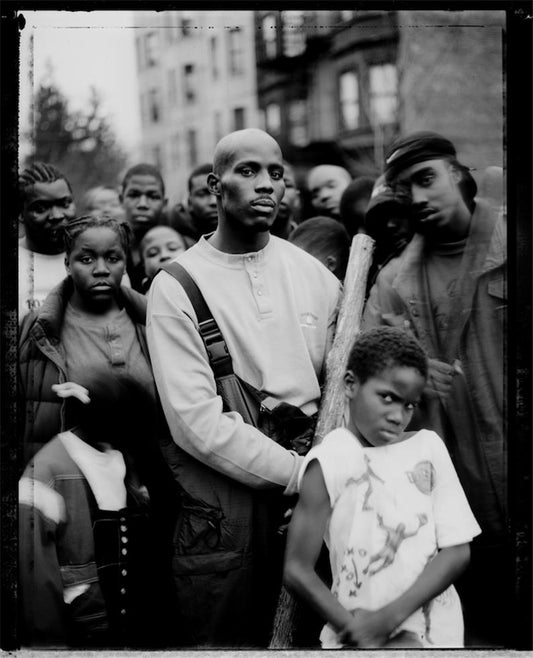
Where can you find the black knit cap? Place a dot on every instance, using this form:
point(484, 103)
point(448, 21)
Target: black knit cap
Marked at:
point(414, 148)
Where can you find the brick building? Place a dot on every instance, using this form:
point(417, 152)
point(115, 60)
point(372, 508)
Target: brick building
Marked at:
point(452, 79)
point(197, 82)
point(331, 86)
point(338, 86)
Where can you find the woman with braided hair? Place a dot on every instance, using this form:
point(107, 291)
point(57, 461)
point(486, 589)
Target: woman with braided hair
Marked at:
point(87, 322)
point(90, 327)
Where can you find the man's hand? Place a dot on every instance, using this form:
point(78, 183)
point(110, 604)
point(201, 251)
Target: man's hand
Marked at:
point(72, 390)
point(440, 378)
point(286, 520)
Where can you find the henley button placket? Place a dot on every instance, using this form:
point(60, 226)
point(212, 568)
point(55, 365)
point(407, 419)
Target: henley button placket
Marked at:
point(259, 289)
point(116, 346)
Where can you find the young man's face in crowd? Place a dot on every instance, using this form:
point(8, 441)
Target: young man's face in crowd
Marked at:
point(435, 195)
point(202, 205)
point(289, 202)
point(326, 184)
point(143, 201)
point(106, 201)
point(251, 185)
point(159, 245)
point(47, 206)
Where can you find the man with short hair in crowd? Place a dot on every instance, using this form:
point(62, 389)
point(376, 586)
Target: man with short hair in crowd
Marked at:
point(326, 183)
point(388, 222)
point(143, 198)
point(202, 202)
point(288, 214)
point(325, 239)
point(46, 204)
point(448, 287)
point(199, 215)
point(354, 202)
point(276, 308)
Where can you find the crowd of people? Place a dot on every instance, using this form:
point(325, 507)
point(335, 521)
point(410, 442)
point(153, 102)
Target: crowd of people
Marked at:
point(171, 366)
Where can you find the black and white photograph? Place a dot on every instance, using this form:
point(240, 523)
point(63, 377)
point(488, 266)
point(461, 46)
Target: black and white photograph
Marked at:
point(266, 327)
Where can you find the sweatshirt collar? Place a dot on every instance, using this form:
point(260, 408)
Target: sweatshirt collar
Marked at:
point(234, 261)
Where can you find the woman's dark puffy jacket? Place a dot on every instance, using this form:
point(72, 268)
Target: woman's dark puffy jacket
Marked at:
point(42, 363)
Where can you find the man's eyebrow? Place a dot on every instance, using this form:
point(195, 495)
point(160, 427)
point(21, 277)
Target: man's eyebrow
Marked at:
point(423, 172)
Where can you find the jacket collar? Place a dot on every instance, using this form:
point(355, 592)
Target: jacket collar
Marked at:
point(484, 249)
point(52, 312)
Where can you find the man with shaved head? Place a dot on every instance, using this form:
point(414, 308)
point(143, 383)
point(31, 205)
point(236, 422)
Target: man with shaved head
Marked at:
point(275, 306)
point(326, 184)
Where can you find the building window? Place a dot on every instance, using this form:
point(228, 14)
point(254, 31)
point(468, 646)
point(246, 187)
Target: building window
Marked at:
point(383, 82)
point(213, 54)
point(140, 54)
point(192, 148)
point(293, 33)
point(144, 111)
point(270, 36)
point(151, 46)
point(261, 119)
point(157, 157)
point(189, 83)
point(298, 132)
point(349, 100)
point(168, 27)
point(186, 23)
point(273, 118)
point(172, 88)
point(154, 106)
point(236, 51)
point(219, 131)
point(175, 151)
point(238, 118)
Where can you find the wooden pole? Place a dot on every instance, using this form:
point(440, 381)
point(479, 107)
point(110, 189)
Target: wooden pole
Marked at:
point(332, 403)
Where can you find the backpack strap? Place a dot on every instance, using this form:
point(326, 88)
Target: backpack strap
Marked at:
point(217, 350)
point(221, 364)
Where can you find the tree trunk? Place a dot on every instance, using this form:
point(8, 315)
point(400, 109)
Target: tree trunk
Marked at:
point(332, 403)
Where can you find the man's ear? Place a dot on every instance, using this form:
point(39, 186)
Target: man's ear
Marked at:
point(455, 174)
point(165, 202)
point(331, 263)
point(213, 184)
point(67, 264)
point(351, 384)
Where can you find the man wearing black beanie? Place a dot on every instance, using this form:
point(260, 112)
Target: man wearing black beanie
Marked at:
point(448, 288)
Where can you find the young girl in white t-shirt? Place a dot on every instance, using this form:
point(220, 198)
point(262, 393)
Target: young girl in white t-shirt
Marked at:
point(389, 505)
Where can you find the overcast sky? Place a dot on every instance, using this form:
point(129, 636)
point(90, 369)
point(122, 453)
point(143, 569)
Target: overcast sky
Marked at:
point(83, 48)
